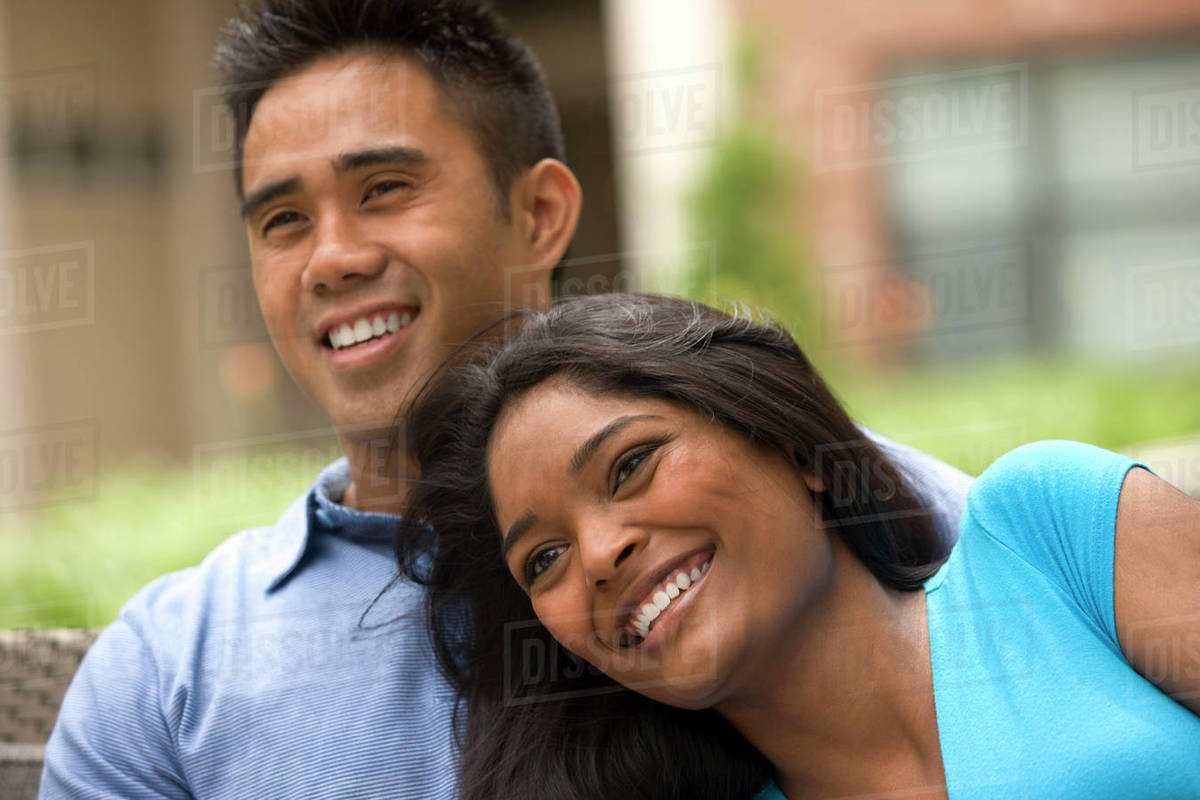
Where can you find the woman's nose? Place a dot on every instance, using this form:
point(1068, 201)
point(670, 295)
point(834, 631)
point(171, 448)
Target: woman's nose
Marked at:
point(605, 549)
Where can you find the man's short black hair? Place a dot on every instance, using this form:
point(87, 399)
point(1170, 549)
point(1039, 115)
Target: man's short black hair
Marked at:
point(493, 81)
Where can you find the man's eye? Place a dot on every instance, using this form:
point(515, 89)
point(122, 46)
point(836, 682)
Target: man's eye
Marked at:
point(629, 463)
point(541, 561)
point(383, 187)
point(282, 218)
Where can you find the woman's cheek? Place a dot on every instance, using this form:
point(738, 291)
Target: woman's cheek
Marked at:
point(563, 626)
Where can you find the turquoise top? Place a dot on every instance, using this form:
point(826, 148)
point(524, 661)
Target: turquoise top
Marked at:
point(1034, 697)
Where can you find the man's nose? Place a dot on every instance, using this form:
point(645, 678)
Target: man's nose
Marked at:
point(341, 256)
point(605, 548)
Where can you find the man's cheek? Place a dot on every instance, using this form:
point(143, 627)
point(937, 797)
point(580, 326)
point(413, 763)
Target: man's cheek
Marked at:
point(278, 311)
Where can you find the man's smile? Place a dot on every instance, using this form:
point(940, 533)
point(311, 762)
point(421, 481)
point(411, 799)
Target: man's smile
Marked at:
point(352, 329)
point(365, 338)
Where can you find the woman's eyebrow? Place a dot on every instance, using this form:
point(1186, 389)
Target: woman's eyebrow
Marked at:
point(517, 530)
point(589, 448)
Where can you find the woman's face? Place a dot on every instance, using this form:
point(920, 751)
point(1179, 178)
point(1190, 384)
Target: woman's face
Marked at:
point(666, 550)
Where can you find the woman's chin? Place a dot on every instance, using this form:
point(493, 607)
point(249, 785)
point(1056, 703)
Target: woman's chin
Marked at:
point(692, 690)
point(692, 694)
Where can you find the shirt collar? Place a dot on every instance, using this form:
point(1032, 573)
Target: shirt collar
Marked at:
point(320, 511)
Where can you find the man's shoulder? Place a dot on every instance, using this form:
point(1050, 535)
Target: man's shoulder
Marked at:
point(273, 639)
point(939, 487)
point(240, 569)
point(174, 590)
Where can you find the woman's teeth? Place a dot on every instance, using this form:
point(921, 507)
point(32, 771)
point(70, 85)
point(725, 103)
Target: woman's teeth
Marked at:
point(367, 328)
point(664, 596)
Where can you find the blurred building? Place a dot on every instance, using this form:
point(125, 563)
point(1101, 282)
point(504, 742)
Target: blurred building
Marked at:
point(995, 177)
point(976, 179)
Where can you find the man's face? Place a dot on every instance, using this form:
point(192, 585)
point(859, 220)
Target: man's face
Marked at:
point(375, 233)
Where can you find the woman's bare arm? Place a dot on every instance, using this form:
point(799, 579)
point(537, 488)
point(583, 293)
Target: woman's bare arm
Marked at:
point(1156, 584)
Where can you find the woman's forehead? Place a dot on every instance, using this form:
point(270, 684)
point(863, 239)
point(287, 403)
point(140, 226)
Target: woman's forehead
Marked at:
point(549, 414)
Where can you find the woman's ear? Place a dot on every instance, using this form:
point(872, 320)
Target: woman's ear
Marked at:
point(814, 484)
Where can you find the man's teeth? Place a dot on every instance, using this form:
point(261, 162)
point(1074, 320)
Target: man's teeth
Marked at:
point(663, 597)
point(365, 329)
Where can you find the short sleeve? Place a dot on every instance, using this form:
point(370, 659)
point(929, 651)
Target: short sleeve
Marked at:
point(1054, 505)
point(111, 740)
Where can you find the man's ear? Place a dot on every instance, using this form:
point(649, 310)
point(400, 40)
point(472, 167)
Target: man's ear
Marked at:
point(547, 200)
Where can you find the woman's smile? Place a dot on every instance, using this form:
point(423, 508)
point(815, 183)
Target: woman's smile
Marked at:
point(659, 608)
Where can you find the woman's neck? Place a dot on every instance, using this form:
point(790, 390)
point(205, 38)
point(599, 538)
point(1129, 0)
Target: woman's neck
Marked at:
point(847, 706)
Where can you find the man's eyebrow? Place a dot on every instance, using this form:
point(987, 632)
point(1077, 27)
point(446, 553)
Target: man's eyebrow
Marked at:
point(588, 448)
point(374, 156)
point(517, 530)
point(265, 194)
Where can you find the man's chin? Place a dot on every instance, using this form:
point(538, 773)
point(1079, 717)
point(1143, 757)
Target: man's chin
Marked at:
point(366, 411)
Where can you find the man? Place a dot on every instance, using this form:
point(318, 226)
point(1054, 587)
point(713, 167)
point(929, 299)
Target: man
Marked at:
point(402, 178)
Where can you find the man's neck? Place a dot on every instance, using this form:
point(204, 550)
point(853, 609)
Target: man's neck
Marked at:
point(381, 472)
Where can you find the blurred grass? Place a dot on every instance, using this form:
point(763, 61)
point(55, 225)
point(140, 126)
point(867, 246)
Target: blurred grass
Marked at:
point(968, 414)
point(74, 564)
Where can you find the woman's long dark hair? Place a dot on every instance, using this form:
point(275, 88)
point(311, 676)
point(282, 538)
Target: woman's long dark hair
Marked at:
point(539, 722)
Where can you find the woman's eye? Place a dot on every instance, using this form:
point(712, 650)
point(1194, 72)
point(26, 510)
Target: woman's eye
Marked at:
point(541, 561)
point(629, 464)
point(383, 187)
point(282, 218)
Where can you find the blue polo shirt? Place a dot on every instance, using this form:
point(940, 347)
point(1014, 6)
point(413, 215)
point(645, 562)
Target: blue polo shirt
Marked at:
point(288, 664)
point(283, 666)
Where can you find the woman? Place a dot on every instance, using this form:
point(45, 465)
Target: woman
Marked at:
point(673, 496)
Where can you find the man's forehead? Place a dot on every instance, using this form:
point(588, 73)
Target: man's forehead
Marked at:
point(343, 104)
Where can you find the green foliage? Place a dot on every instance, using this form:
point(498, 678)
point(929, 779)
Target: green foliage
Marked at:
point(745, 203)
point(741, 206)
